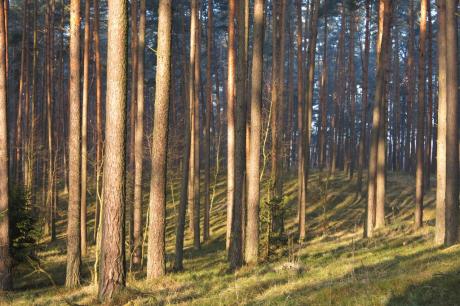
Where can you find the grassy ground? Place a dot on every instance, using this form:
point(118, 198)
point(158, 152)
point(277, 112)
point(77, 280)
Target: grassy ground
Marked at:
point(336, 266)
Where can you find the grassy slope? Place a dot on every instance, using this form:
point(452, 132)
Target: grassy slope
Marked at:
point(398, 267)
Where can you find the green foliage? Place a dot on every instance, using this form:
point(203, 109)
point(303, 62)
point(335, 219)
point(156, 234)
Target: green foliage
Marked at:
point(24, 229)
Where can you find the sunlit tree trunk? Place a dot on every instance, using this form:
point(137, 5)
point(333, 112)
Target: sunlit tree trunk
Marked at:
point(112, 259)
point(231, 75)
point(73, 215)
point(156, 261)
point(253, 175)
point(376, 170)
point(420, 118)
point(447, 148)
point(5, 258)
point(207, 128)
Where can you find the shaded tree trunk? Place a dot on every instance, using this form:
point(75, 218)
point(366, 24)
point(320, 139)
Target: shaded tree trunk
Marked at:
point(84, 129)
point(139, 142)
point(365, 96)
point(420, 118)
point(301, 188)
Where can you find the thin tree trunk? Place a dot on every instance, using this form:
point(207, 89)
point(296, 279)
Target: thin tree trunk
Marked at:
point(352, 90)
point(236, 237)
point(112, 259)
point(301, 189)
point(323, 99)
point(5, 258)
point(84, 129)
point(365, 95)
point(429, 128)
point(207, 129)
point(179, 244)
point(99, 140)
point(231, 75)
point(420, 118)
point(139, 141)
point(73, 215)
point(132, 120)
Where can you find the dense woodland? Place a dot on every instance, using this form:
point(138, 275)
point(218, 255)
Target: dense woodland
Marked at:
point(212, 151)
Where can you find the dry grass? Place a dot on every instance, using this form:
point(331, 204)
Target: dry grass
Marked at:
point(399, 266)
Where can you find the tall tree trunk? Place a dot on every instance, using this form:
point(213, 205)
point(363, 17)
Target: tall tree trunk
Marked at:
point(99, 140)
point(18, 154)
point(323, 99)
point(231, 75)
point(365, 95)
point(156, 263)
point(253, 175)
point(207, 128)
point(447, 148)
point(112, 259)
point(132, 120)
point(375, 170)
point(5, 258)
point(84, 128)
point(139, 142)
point(420, 118)
point(429, 128)
point(301, 188)
point(179, 244)
point(352, 89)
point(236, 237)
point(73, 216)
point(411, 90)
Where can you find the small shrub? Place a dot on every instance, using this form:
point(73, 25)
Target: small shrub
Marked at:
point(23, 224)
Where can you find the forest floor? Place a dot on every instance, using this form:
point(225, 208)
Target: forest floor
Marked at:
point(335, 266)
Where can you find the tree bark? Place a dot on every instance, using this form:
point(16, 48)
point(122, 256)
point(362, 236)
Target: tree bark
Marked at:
point(139, 141)
point(231, 74)
point(301, 189)
point(112, 259)
point(84, 129)
point(447, 147)
point(420, 119)
point(73, 215)
point(99, 137)
point(374, 201)
point(253, 175)
point(156, 263)
point(5, 258)
point(365, 96)
point(207, 128)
